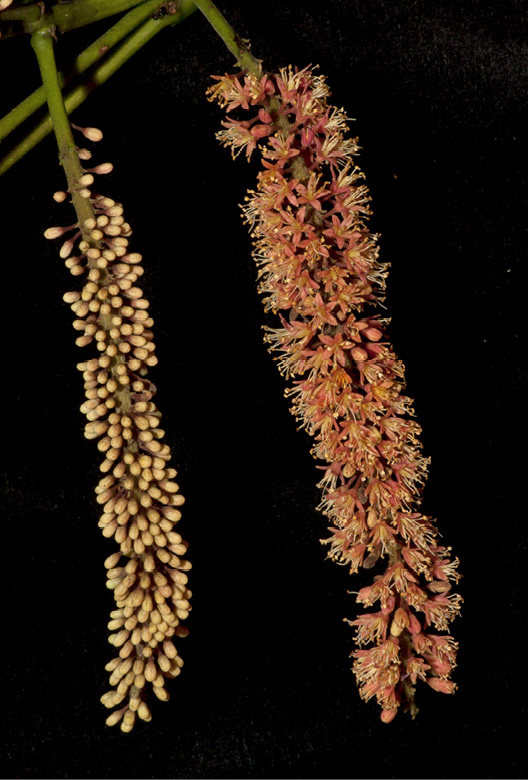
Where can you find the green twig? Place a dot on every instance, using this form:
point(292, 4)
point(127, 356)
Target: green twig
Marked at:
point(232, 40)
point(100, 75)
point(27, 13)
point(85, 60)
point(42, 43)
point(63, 16)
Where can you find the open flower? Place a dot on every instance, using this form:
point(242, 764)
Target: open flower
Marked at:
point(319, 271)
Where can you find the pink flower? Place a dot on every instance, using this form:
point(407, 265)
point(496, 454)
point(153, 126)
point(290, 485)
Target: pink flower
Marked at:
point(318, 265)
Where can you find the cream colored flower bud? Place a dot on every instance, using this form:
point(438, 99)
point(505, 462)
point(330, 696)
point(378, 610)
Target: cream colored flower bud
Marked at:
point(113, 664)
point(161, 694)
point(54, 232)
point(112, 560)
point(107, 699)
point(372, 518)
point(150, 671)
point(399, 622)
point(128, 722)
point(91, 133)
point(112, 230)
point(114, 718)
point(103, 168)
point(126, 649)
point(172, 514)
point(163, 662)
point(169, 649)
point(71, 297)
point(132, 258)
point(144, 712)
point(125, 666)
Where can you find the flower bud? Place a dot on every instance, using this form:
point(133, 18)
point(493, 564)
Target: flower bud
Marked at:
point(443, 686)
point(399, 622)
point(91, 133)
point(387, 716)
point(103, 168)
point(358, 354)
point(372, 334)
point(55, 232)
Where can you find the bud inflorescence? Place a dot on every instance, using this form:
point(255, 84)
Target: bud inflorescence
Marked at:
point(319, 270)
point(139, 499)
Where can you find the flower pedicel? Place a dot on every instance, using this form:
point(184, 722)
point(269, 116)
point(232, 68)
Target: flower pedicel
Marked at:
point(319, 271)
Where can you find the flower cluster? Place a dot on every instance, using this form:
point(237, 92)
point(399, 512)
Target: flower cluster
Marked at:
point(139, 498)
point(319, 271)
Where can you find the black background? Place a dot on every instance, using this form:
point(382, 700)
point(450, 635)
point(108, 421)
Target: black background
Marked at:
point(439, 93)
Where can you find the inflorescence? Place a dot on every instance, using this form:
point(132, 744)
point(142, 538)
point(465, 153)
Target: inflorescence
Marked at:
point(139, 497)
point(319, 271)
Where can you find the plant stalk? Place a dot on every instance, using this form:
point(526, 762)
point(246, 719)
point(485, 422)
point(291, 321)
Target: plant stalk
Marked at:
point(232, 40)
point(142, 35)
point(90, 56)
point(63, 16)
point(42, 43)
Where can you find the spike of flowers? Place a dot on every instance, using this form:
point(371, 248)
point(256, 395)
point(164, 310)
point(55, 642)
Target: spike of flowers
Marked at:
point(140, 500)
point(319, 271)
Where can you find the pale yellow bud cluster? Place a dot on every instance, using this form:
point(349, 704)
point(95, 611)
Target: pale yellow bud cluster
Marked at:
point(139, 497)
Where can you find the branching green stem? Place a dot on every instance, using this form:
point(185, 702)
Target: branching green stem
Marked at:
point(90, 11)
point(232, 40)
point(90, 56)
point(142, 35)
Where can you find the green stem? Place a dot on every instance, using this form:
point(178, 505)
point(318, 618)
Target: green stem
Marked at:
point(64, 16)
point(42, 43)
point(232, 40)
point(85, 60)
point(100, 75)
point(246, 60)
point(29, 13)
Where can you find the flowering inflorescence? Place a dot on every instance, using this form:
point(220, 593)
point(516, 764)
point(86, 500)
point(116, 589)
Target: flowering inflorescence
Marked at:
point(319, 270)
point(139, 497)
